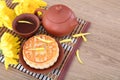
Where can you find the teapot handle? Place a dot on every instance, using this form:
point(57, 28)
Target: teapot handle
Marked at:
point(38, 15)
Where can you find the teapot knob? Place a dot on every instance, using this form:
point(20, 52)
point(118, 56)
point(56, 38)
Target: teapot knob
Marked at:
point(59, 8)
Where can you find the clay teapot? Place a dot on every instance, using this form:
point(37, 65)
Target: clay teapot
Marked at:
point(58, 20)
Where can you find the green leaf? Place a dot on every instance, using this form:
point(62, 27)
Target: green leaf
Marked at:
point(0, 51)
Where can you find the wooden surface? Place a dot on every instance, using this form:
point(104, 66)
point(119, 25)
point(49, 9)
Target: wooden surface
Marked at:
point(101, 54)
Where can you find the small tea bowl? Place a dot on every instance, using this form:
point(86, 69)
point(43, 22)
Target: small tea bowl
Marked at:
point(26, 25)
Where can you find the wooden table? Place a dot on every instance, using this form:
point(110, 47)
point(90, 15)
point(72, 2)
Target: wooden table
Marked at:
point(101, 54)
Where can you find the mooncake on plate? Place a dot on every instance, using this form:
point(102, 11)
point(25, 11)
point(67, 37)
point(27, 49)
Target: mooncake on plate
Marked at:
point(40, 51)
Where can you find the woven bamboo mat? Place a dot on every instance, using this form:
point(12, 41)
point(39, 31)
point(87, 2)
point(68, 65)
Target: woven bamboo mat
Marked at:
point(69, 50)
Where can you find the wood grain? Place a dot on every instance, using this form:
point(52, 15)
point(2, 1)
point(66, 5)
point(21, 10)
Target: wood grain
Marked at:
point(101, 54)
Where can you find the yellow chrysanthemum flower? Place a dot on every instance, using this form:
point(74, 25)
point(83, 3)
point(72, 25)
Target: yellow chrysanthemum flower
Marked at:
point(27, 6)
point(10, 47)
point(7, 15)
point(9, 60)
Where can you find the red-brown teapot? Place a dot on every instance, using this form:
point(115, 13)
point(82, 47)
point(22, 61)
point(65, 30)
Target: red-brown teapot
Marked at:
point(58, 20)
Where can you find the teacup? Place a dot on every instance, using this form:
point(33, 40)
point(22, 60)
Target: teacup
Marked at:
point(26, 25)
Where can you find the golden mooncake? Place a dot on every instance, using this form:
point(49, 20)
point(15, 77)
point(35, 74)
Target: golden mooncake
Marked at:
point(40, 51)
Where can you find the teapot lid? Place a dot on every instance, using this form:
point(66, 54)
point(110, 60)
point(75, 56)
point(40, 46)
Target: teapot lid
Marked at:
point(59, 13)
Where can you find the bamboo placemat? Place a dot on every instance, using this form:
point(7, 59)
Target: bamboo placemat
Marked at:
point(69, 50)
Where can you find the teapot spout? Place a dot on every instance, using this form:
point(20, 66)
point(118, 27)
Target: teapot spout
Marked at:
point(74, 23)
